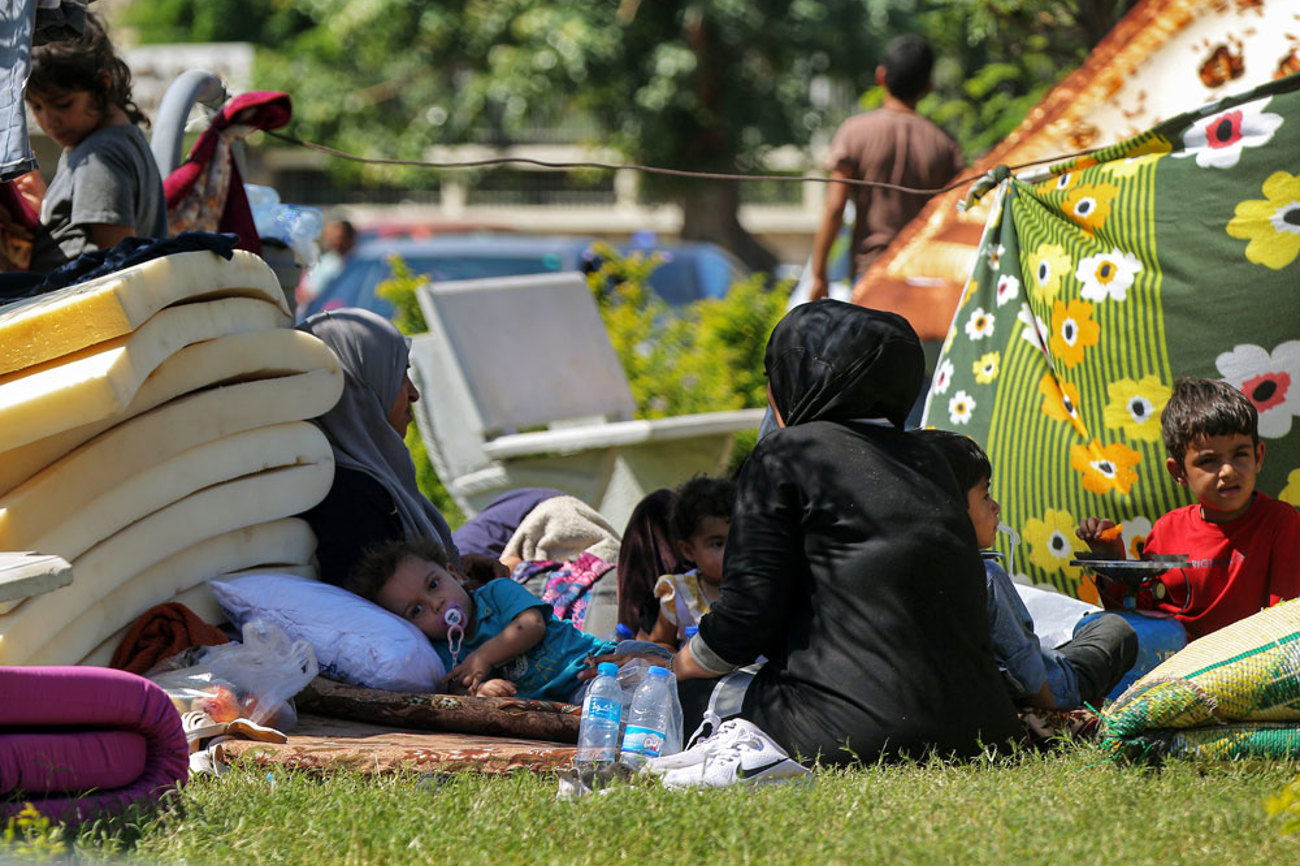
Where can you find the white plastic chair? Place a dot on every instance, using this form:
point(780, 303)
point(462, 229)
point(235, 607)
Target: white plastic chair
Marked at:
point(520, 387)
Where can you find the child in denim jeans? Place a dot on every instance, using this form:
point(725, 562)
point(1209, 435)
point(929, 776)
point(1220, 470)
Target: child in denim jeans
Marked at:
point(1082, 671)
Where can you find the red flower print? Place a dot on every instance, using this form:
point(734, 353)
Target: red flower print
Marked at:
point(1267, 389)
point(1224, 130)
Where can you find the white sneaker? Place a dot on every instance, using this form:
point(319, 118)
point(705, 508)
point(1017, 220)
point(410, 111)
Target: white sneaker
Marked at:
point(712, 733)
point(748, 757)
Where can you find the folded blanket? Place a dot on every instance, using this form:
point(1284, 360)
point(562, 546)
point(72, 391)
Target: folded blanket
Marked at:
point(163, 631)
point(559, 529)
point(1232, 693)
point(78, 741)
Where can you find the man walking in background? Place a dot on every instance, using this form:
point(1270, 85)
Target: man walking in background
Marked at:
point(892, 144)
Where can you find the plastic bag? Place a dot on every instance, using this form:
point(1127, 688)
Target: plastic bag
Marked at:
point(254, 680)
point(630, 676)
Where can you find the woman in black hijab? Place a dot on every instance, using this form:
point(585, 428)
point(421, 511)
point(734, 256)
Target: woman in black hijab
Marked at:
point(851, 563)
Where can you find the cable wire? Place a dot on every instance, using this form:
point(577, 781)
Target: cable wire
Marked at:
point(647, 169)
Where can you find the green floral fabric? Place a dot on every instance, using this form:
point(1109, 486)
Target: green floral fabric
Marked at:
point(1174, 253)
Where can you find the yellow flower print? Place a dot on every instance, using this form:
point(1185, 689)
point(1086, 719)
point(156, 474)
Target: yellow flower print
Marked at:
point(1135, 407)
point(1088, 204)
point(1291, 493)
point(986, 368)
point(1271, 224)
point(1105, 469)
point(1073, 330)
point(1059, 183)
point(1052, 542)
point(1061, 402)
point(1146, 153)
point(1048, 264)
point(972, 286)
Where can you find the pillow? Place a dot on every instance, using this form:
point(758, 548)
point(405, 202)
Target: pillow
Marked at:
point(356, 641)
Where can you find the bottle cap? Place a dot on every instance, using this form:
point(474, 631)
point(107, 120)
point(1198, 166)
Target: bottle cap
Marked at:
point(656, 671)
point(607, 669)
point(624, 632)
point(692, 631)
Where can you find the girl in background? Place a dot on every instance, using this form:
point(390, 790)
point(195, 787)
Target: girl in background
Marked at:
point(107, 186)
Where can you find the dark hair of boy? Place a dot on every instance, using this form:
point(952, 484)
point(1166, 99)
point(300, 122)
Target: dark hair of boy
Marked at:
point(86, 62)
point(963, 454)
point(699, 498)
point(380, 562)
point(908, 61)
point(1198, 408)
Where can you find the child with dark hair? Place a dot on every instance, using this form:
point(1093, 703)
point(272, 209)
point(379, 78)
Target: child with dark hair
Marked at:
point(1082, 671)
point(646, 552)
point(1243, 546)
point(507, 641)
point(107, 186)
point(700, 517)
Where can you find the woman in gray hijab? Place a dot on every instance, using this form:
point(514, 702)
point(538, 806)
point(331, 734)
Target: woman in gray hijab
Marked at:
point(374, 497)
point(851, 562)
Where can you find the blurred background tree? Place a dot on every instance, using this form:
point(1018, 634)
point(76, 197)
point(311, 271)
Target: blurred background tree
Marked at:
point(710, 85)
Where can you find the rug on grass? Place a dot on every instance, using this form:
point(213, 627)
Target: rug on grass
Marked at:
point(1234, 693)
point(504, 717)
point(1097, 283)
point(325, 745)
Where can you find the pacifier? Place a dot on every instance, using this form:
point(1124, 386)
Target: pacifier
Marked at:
point(453, 616)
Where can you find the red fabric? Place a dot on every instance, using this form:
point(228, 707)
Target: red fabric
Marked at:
point(263, 109)
point(18, 225)
point(102, 737)
point(1236, 568)
point(19, 209)
point(163, 631)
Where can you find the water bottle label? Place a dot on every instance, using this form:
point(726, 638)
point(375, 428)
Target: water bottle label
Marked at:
point(643, 741)
point(603, 708)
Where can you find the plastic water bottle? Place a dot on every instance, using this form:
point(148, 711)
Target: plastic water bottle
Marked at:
point(602, 711)
point(647, 723)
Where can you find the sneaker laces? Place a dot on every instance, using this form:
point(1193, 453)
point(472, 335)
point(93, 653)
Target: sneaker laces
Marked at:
point(705, 732)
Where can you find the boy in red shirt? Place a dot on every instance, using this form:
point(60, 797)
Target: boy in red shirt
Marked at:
point(1243, 547)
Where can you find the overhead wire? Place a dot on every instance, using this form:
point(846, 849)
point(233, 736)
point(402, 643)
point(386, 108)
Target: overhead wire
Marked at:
point(645, 169)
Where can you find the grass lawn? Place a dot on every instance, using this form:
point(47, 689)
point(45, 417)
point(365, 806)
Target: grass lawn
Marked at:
point(1064, 808)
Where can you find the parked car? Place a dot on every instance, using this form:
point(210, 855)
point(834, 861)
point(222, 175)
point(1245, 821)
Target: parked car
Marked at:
point(690, 270)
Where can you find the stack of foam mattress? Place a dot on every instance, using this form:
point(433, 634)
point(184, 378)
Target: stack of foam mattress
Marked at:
point(154, 433)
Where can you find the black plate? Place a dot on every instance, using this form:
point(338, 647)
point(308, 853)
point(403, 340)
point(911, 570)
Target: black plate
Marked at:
point(1154, 563)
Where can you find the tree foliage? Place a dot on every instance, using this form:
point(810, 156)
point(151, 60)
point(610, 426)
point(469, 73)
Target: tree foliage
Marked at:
point(708, 85)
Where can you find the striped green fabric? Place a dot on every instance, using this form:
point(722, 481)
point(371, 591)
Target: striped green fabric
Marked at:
point(1175, 253)
point(1232, 693)
point(1221, 742)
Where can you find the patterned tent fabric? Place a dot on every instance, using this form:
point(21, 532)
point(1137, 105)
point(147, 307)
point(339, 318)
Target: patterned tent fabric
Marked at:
point(1171, 254)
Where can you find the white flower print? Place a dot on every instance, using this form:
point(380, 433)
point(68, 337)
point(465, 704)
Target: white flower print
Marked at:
point(979, 325)
point(942, 377)
point(1107, 275)
point(1007, 289)
point(1270, 380)
point(1218, 140)
point(960, 408)
point(1034, 330)
point(995, 256)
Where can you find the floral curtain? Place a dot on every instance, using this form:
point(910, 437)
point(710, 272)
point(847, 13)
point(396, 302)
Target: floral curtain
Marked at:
point(1171, 254)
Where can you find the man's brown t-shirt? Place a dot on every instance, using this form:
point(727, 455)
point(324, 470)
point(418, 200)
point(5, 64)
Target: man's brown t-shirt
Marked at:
point(895, 147)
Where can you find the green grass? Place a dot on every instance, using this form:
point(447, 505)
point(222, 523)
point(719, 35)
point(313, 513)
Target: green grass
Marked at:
point(1063, 808)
